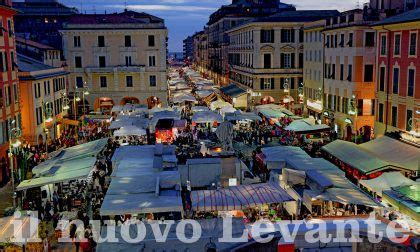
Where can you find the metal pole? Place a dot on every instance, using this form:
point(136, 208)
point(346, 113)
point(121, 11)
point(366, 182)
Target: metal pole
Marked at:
point(12, 172)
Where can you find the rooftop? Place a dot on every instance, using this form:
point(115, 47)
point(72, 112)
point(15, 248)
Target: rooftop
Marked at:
point(299, 16)
point(27, 64)
point(126, 17)
point(32, 43)
point(49, 8)
point(233, 90)
point(410, 16)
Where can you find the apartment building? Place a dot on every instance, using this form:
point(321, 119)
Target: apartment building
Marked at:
point(349, 72)
point(266, 57)
point(313, 68)
point(42, 90)
point(188, 47)
point(10, 116)
point(119, 58)
point(398, 82)
point(224, 19)
point(200, 41)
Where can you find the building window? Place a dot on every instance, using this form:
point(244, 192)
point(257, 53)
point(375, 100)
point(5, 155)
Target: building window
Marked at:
point(267, 60)
point(350, 73)
point(341, 40)
point(267, 36)
point(382, 79)
point(78, 62)
point(102, 61)
point(12, 59)
point(370, 39)
point(287, 35)
point(79, 82)
point(76, 41)
point(383, 45)
point(152, 80)
point(8, 95)
point(411, 81)
point(381, 112)
point(368, 73)
point(152, 61)
point(287, 60)
point(103, 81)
point(127, 41)
point(151, 40)
point(394, 119)
point(129, 81)
point(9, 27)
point(341, 71)
point(128, 61)
point(397, 45)
point(15, 93)
point(350, 43)
point(413, 44)
point(301, 60)
point(101, 41)
point(267, 83)
point(396, 81)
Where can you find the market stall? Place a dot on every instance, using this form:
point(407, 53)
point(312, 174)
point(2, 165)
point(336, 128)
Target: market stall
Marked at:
point(385, 182)
point(238, 197)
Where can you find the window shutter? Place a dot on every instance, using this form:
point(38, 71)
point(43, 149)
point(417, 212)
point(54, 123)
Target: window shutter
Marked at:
point(272, 83)
point(281, 83)
point(262, 36)
point(282, 36)
point(262, 83)
point(281, 60)
point(292, 83)
point(292, 60)
point(272, 36)
point(293, 35)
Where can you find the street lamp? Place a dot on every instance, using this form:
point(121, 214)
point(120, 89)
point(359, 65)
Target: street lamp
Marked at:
point(14, 134)
point(66, 102)
point(47, 118)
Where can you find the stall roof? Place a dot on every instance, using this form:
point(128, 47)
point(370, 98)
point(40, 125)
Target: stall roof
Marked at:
point(358, 158)
point(238, 197)
point(385, 182)
point(233, 91)
point(130, 131)
point(204, 93)
point(70, 170)
point(184, 98)
point(242, 116)
point(344, 196)
point(308, 164)
point(140, 203)
point(304, 127)
point(58, 158)
point(395, 151)
point(207, 117)
point(273, 111)
point(406, 199)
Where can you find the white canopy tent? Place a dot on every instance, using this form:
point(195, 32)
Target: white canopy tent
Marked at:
point(242, 116)
point(273, 111)
point(385, 182)
point(207, 117)
point(227, 109)
point(199, 109)
point(129, 131)
point(183, 98)
point(238, 197)
point(219, 104)
point(304, 126)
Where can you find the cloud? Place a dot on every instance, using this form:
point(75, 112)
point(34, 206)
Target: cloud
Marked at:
point(161, 7)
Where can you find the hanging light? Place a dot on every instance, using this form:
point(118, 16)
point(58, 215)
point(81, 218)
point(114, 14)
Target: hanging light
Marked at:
point(86, 92)
point(66, 107)
point(77, 99)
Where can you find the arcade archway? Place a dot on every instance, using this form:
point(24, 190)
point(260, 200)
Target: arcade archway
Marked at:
point(129, 100)
point(104, 104)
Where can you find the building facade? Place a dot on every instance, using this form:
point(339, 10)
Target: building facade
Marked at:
point(349, 72)
point(9, 85)
point(188, 47)
point(313, 68)
point(224, 19)
point(200, 41)
point(42, 90)
point(41, 20)
point(119, 58)
point(266, 57)
point(40, 52)
point(398, 82)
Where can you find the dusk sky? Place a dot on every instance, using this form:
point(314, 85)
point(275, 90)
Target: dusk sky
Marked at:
point(184, 17)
